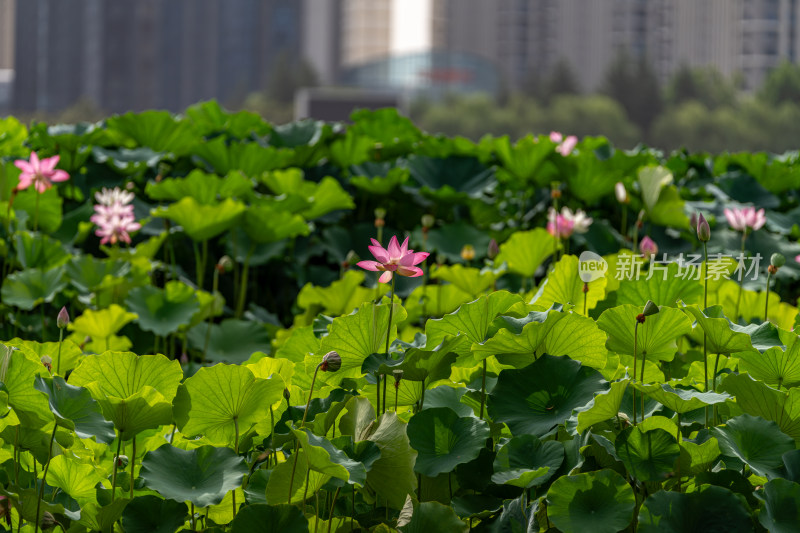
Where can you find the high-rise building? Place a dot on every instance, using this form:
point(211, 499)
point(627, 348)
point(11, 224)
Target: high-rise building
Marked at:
point(137, 54)
point(6, 34)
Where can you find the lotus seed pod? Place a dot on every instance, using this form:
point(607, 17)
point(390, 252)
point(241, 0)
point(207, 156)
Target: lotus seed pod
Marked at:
point(650, 308)
point(468, 252)
point(331, 362)
point(777, 260)
point(428, 221)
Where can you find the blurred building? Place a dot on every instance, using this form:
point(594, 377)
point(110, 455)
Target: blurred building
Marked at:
point(136, 54)
point(6, 52)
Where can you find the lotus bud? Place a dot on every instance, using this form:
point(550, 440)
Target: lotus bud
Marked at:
point(428, 221)
point(703, 230)
point(493, 250)
point(47, 361)
point(650, 308)
point(286, 395)
point(468, 252)
point(184, 359)
point(122, 461)
point(648, 246)
point(621, 192)
point(398, 375)
point(331, 362)
point(777, 260)
point(63, 318)
point(225, 264)
point(48, 521)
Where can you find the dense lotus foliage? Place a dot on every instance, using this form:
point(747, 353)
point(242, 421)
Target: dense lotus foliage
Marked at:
point(572, 338)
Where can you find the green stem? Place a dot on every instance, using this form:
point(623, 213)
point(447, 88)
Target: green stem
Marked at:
point(333, 505)
point(243, 283)
point(624, 227)
point(116, 462)
point(388, 338)
point(272, 435)
point(44, 474)
point(215, 286)
point(766, 304)
point(198, 266)
point(741, 272)
point(194, 520)
point(297, 444)
point(705, 306)
point(635, 346)
point(36, 214)
point(483, 388)
point(236, 451)
point(58, 359)
point(133, 463)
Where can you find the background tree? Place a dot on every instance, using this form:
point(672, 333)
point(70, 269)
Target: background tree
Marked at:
point(782, 85)
point(634, 85)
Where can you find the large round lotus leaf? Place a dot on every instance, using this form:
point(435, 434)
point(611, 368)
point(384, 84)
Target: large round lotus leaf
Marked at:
point(444, 440)
point(163, 311)
point(655, 339)
point(525, 251)
point(202, 476)
point(218, 399)
point(680, 400)
point(33, 286)
point(151, 514)
point(648, 456)
point(537, 398)
point(29, 405)
point(525, 461)
point(75, 409)
point(792, 462)
point(202, 222)
point(755, 441)
point(473, 319)
point(758, 399)
point(781, 511)
point(712, 509)
point(600, 502)
point(232, 340)
point(101, 324)
point(263, 518)
point(429, 516)
point(74, 477)
point(775, 367)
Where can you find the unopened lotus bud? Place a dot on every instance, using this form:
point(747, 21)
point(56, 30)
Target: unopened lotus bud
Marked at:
point(331, 362)
point(428, 221)
point(47, 361)
point(468, 252)
point(648, 247)
point(122, 461)
point(777, 260)
point(493, 250)
point(287, 395)
point(398, 375)
point(225, 264)
point(703, 230)
point(48, 521)
point(184, 358)
point(63, 318)
point(650, 308)
point(621, 193)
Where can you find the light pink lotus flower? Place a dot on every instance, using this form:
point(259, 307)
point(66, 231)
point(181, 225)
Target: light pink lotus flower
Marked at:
point(396, 258)
point(565, 145)
point(797, 258)
point(39, 173)
point(621, 193)
point(567, 222)
point(742, 219)
point(648, 246)
point(114, 216)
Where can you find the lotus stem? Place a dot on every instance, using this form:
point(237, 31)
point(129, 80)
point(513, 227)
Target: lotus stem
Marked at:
point(243, 283)
point(483, 388)
point(297, 444)
point(44, 474)
point(236, 451)
point(116, 462)
point(741, 273)
point(333, 505)
point(215, 287)
point(133, 463)
point(388, 341)
point(194, 520)
point(705, 339)
point(635, 345)
point(766, 303)
point(35, 222)
point(60, 340)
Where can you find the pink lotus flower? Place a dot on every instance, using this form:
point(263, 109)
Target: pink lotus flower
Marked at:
point(39, 173)
point(648, 247)
point(396, 258)
point(114, 216)
point(742, 219)
point(797, 258)
point(564, 224)
point(565, 145)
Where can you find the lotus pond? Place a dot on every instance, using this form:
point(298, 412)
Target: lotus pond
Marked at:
point(212, 323)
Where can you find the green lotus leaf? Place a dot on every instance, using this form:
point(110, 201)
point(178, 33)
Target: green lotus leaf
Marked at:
point(266, 223)
point(24, 501)
point(146, 409)
point(71, 353)
point(722, 336)
point(355, 337)
point(652, 179)
point(207, 189)
point(74, 477)
point(249, 158)
point(163, 311)
point(48, 205)
point(681, 400)
point(202, 222)
point(444, 440)
point(325, 458)
point(31, 287)
point(648, 455)
point(441, 177)
point(231, 340)
point(563, 285)
point(358, 418)
point(708, 509)
point(151, 514)
point(14, 135)
point(89, 274)
point(539, 397)
point(123, 374)
point(102, 518)
point(75, 409)
point(102, 324)
point(159, 130)
point(426, 301)
point(663, 287)
point(656, 337)
point(604, 406)
point(377, 178)
point(39, 251)
point(600, 501)
point(429, 365)
point(448, 396)
point(340, 297)
point(755, 441)
point(699, 454)
point(392, 477)
point(305, 481)
point(202, 476)
point(579, 338)
point(321, 198)
point(525, 461)
point(218, 400)
point(430, 516)
point(263, 518)
point(524, 159)
point(476, 505)
point(791, 461)
point(473, 319)
point(525, 251)
point(758, 399)
point(519, 336)
point(450, 239)
point(20, 371)
point(775, 367)
point(471, 280)
point(781, 511)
